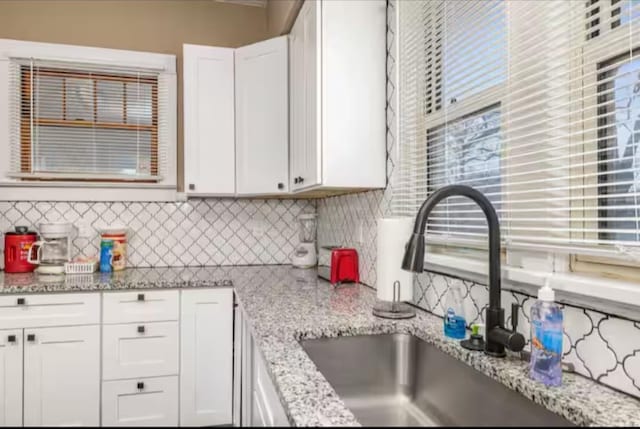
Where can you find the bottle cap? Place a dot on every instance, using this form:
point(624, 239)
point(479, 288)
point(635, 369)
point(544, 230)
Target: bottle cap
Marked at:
point(545, 293)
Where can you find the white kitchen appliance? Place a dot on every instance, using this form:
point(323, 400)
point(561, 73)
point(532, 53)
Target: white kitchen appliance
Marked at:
point(53, 249)
point(305, 255)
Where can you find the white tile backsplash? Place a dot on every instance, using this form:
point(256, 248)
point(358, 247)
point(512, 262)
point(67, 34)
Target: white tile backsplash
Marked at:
point(209, 231)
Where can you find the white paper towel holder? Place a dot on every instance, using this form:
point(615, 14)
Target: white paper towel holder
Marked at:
point(395, 309)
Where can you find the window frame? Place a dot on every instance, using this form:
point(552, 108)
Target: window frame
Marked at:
point(585, 58)
point(84, 190)
point(595, 52)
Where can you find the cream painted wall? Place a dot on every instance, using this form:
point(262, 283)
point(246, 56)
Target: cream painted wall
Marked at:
point(280, 15)
point(146, 25)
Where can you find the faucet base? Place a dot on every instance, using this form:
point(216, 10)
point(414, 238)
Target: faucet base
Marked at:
point(495, 354)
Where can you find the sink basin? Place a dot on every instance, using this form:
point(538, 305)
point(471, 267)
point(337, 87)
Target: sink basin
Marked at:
point(401, 380)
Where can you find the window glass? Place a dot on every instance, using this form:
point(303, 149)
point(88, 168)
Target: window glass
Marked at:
point(618, 156)
point(466, 152)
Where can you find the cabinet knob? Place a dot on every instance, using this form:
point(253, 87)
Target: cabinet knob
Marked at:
point(21, 301)
point(280, 186)
point(141, 329)
point(11, 338)
point(301, 179)
point(31, 337)
point(295, 180)
point(192, 187)
point(140, 385)
point(140, 297)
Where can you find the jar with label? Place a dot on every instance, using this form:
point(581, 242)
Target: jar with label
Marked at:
point(106, 256)
point(119, 238)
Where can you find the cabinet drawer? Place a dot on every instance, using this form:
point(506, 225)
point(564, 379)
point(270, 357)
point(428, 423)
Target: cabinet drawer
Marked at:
point(35, 311)
point(139, 350)
point(140, 306)
point(141, 402)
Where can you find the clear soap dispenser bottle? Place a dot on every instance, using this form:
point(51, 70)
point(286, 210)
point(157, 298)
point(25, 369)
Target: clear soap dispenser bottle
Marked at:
point(546, 339)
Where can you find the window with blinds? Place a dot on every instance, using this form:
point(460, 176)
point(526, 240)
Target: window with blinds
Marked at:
point(540, 111)
point(89, 123)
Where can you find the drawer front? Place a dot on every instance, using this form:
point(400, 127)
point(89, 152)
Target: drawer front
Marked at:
point(139, 350)
point(140, 306)
point(35, 311)
point(141, 402)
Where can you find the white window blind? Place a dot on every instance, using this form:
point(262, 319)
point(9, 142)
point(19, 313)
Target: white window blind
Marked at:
point(540, 112)
point(74, 121)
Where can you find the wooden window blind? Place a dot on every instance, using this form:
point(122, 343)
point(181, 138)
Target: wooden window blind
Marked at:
point(87, 123)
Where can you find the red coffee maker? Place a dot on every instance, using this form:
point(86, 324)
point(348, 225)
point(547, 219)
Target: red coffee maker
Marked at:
point(16, 250)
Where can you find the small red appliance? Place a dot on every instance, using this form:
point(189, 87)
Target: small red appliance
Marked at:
point(343, 267)
point(16, 249)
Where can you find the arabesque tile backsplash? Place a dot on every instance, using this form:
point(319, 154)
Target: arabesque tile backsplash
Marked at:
point(601, 346)
point(210, 231)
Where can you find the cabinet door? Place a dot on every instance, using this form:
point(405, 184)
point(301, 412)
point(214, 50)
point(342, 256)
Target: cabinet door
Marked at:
point(206, 376)
point(11, 377)
point(209, 146)
point(305, 115)
point(262, 118)
point(62, 376)
point(267, 408)
point(237, 366)
point(246, 395)
point(310, 15)
point(140, 402)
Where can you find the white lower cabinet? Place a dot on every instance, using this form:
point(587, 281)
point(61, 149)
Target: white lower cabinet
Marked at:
point(166, 359)
point(140, 402)
point(62, 376)
point(139, 350)
point(206, 374)
point(11, 377)
point(260, 404)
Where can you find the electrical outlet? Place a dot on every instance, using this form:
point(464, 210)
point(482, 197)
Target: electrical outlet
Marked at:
point(361, 232)
point(84, 229)
point(258, 231)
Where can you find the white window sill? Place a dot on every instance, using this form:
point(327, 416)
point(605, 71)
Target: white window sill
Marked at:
point(82, 191)
point(598, 293)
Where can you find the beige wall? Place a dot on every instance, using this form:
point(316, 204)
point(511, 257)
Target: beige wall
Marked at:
point(145, 25)
point(280, 15)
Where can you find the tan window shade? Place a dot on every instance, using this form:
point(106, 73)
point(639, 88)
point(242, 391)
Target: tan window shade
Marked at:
point(81, 122)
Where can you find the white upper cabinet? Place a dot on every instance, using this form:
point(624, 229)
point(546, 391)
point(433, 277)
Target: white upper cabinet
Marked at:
point(262, 109)
point(337, 96)
point(209, 125)
point(304, 98)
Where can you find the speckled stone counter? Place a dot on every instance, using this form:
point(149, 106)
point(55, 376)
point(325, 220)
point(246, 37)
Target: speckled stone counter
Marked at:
point(138, 278)
point(284, 305)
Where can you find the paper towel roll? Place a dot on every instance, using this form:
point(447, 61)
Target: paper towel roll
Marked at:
point(393, 234)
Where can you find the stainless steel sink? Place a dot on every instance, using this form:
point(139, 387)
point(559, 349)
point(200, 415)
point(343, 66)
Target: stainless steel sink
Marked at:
point(400, 380)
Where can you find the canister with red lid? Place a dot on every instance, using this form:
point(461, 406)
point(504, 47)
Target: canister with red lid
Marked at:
point(16, 250)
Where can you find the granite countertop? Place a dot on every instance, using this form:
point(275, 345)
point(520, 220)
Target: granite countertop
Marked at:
point(284, 305)
point(133, 278)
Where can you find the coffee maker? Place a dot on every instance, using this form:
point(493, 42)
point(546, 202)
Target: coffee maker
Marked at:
point(53, 249)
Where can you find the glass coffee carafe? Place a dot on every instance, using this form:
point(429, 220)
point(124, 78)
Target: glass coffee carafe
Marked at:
point(53, 249)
